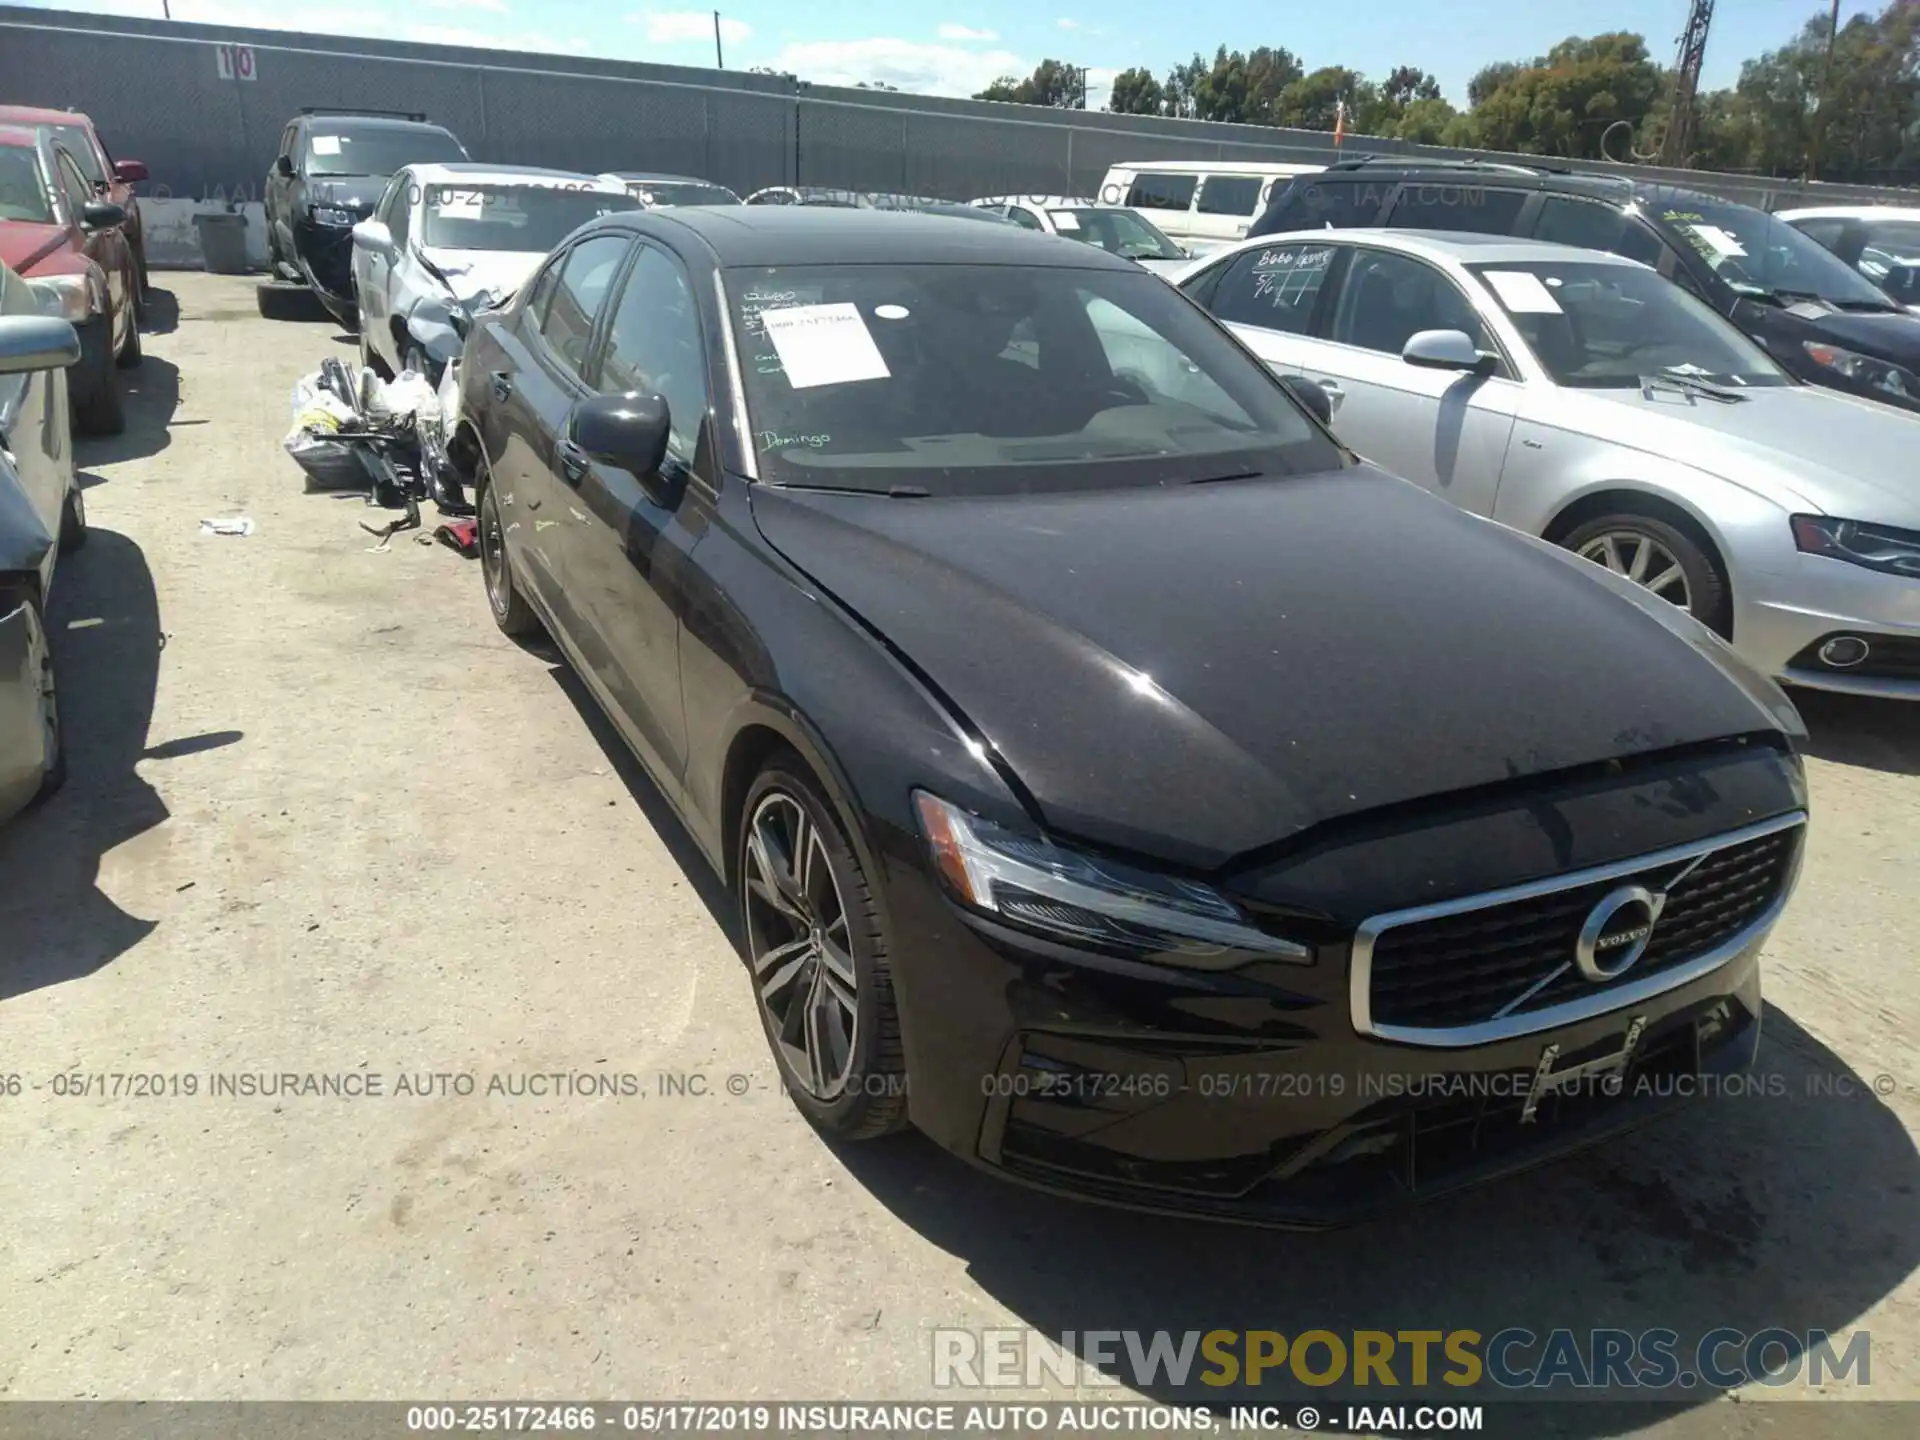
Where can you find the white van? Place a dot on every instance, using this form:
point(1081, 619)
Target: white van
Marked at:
point(1205, 202)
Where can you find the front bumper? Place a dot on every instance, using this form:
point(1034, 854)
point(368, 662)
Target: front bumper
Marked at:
point(1258, 1095)
point(1781, 623)
point(324, 254)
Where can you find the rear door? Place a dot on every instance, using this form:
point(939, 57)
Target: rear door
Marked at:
point(1444, 430)
point(627, 552)
point(534, 381)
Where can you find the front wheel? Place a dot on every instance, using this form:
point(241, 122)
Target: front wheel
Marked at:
point(510, 609)
point(1660, 557)
point(819, 954)
point(95, 392)
point(53, 752)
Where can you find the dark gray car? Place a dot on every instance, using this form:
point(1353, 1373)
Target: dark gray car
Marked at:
point(41, 515)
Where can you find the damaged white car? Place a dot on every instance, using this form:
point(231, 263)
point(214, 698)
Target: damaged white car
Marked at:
point(446, 241)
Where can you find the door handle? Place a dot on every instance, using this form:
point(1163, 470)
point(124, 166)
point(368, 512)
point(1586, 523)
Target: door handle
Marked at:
point(1334, 393)
point(502, 385)
point(573, 462)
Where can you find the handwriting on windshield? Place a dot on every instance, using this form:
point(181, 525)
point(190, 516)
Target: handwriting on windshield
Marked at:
point(1293, 260)
point(774, 440)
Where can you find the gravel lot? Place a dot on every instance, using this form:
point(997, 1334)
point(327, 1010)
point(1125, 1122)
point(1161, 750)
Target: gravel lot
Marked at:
point(324, 818)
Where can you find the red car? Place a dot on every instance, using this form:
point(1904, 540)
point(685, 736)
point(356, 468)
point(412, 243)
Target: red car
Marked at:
point(56, 231)
point(111, 179)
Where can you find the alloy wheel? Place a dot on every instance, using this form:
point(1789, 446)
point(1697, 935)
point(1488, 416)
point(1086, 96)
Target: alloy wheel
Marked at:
point(1644, 560)
point(798, 942)
point(493, 553)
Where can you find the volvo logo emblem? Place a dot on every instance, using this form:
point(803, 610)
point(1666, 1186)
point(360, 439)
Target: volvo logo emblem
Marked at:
point(1616, 933)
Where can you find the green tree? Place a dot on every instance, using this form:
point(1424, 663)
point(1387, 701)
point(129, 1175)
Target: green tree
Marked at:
point(1426, 121)
point(1244, 89)
point(1564, 104)
point(1182, 82)
point(1312, 101)
point(1053, 83)
point(1136, 92)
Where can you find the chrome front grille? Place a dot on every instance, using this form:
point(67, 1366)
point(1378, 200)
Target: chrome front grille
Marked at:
point(1488, 967)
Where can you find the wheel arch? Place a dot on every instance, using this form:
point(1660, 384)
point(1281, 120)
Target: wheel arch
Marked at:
point(1625, 499)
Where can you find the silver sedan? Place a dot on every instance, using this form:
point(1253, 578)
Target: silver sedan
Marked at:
point(1581, 398)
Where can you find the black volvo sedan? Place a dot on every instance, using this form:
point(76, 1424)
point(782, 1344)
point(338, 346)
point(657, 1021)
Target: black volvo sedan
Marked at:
point(1120, 780)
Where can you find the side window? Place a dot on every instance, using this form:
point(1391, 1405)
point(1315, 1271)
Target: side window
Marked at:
point(541, 291)
point(1472, 208)
point(585, 275)
point(73, 190)
point(1585, 223)
point(1389, 298)
point(1020, 215)
point(1826, 231)
point(1237, 195)
point(654, 346)
point(287, 141)
point(1161, 192)
point(1310, 203)
point(1274, 287)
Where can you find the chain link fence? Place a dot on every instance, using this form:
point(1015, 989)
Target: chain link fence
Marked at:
point(207, 122)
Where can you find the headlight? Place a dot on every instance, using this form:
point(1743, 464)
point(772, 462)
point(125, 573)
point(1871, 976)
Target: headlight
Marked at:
point(1880, 374)
point(71, 297)
point(1030, 883)
point(1878, 547)
point(332, 215)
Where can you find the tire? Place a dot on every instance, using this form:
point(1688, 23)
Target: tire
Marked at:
point(73, 521)
point(1627, 542)
point(131, 354)
point(509, 607)
point(54, 771)
point(370, 360)
point(804, 899)
point(97, 408)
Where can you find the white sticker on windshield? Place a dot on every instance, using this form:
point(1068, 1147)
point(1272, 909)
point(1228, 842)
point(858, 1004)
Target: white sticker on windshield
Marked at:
point(823, 345)
point(1522, 293)
point(1065, 220)
point(326, 144)
point(1719, 241)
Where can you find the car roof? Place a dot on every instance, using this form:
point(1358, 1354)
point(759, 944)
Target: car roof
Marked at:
point(1219, 167)
point(348, 119)
point(802, 235)
point(1850, 212)
point(1462, 247)
point(40, 115)
point(1511, 177)
point(429, 172)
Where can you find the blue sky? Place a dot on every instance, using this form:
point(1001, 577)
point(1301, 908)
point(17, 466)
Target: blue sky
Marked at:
point(842, 42)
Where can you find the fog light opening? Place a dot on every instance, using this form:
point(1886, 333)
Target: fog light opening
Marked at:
point(1843, 652)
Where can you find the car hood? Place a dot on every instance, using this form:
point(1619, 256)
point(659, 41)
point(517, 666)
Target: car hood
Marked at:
point(1803, 446)
point(1195, 672)
point(490, 272)
point(349, 192)
point(24, 244)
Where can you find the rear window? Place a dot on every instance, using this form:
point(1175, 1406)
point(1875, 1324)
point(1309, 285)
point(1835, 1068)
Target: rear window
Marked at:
point(1237, 195)
point(1473, 208)
point(334, 148)
point(529, 219)
point(1161, 192)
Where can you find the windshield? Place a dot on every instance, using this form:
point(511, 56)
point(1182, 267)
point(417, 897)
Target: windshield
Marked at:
point(80, 145)
point(682, 192)
point(974, 379)
point(523, 218)
point(1119, 232)
point(1598, 326)
point(1759, 255)
point(23, 194)
point(345, 151)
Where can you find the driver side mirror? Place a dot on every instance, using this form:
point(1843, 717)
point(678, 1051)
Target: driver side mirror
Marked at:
point(102, 215)
point(373, 235)
point(1312, 396)
point(130, 172)
point(1445, 350)
point(283, 166)
point(627, 432)
point(30, 343)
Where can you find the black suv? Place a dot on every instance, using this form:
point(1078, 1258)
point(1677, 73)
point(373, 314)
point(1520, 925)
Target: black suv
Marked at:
point(332, 169)
point(1819, 319)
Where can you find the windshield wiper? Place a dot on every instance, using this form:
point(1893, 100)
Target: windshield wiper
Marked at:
point(1231, 475)
point(1688, 383)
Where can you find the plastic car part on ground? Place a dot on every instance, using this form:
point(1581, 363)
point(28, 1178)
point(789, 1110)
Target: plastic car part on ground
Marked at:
point(353, 431)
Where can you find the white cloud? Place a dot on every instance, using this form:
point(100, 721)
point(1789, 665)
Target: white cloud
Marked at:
point(681, 27)
point(1099, 87)
point(908, 64)
point(1069, 24)
point(962, 32)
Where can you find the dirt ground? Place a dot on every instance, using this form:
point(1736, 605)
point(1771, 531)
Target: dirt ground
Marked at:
point(324, 819)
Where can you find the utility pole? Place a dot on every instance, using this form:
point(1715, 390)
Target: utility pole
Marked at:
point(1822, 115)
point(721, 60)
